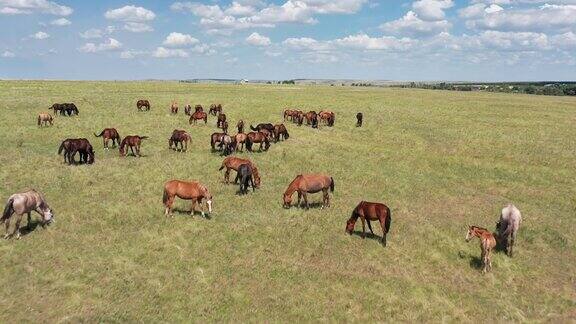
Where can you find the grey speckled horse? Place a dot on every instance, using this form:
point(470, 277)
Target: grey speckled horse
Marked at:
point(25, 202)
point(508, 225)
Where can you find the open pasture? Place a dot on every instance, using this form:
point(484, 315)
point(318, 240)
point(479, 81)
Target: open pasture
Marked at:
point(439, 160)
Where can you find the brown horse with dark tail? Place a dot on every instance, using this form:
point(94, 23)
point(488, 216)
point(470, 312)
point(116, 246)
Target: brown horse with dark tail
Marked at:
point(370, 211)
point(199, 115)
point(179, 137)
point(133, 142)
point(233, 163)
point(309, 183)
point(109, 134)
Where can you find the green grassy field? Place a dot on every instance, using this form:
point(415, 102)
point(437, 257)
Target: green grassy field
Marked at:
point(440, 160)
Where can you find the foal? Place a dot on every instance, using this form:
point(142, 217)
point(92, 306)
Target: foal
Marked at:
point(44, 119)
point(487, 244)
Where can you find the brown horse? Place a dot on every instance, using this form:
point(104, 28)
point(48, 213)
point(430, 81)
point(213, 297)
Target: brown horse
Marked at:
point(240, 140)
point(370, 211)
point(132, 141)
point(328, 117)
point(220, 120)
point(215, 109)
point(359, 118)
point(71, 146)
point(280, 132)
point(174, 107)
point(187, 110)
point(309, 183)
point(233, 163)
point(257, 137)
point(289, 114)
point(194, 191)
point(198, 108)
point(312, 119)
point(240, 126)
point(143, 105)
point(44, 119)
point(216, 138)
point(24, 203)
point(225, 127)
point(179, 137)
point(199, 115)
point(487, 244)
point(109, 134)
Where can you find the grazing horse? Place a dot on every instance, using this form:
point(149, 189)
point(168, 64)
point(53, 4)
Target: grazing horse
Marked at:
point(233, 163)
point(174, 107)
point(309, 183)
point(58, 109)
point(487, 244)
point(143, 105)
point(132, 141)
point(370, 211)
point(508, 225)
point(215, 109)
point(227, 145)
point(25, 202)
point(179, 137)
point(245, 175)
point(280, 132)
point(198, 108)
point(221, 119)
point(257, 137)
point(299, 118)
point(312, 119)
point(267, 126)
point(216, 138)
point(327, 117)
point(187, 110)
point(240, 126)
point(240, 139)
point(225, 127)
point(71, 146)
point(194, 191)
point(198, 115)
point(359, 118)
point(44, 119)
point(289, 114)
point(109, 134)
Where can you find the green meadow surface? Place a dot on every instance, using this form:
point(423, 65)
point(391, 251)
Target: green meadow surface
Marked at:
point(440, 160)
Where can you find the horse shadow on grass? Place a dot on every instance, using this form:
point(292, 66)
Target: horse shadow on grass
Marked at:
point(29, 228)
point(312, 205)
point(474, 260)
point(186, 212)
point(369, 235)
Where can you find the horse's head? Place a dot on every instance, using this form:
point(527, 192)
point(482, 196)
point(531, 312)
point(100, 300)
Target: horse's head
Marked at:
point(471, 233)
point(350, 225)
point(47, 215)
point(287, 200)
point(122, 152)
point(256, 177)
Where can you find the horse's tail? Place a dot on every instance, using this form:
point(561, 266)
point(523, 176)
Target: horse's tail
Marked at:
point(254, 129)
point(223, 165)
point(8, 210)
point(102, 133)
point(165, 197)
point(331, 184)
point(60, 148)
point(388, 220)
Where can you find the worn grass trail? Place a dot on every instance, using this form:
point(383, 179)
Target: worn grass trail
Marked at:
point(440, 160)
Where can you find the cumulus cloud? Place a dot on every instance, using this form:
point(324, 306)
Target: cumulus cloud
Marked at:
point(8, 54)
point(306, 43)
point(431, 10)
point(60, 22)
point(162, 52)
point(136, 27)
point(363, 41)
point(110, 45)
point(40, 35)
point(258, 40)
point(412, 25)
point(130, 54)
point(97, 33)
point(130, 13)
point(179, 40)
point(26, 7)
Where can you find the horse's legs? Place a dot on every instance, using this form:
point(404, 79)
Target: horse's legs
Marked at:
point(363, 227)
point(483, 257)
point(7, 224)
point(227, 176)
point(192, 209)
point(29, 220)
point(370, 226)
point(489, 260)
point(305, 200)
point(138, 150)
point(169, 203)
point(511, 243)
point(299, 197)
point(252, 182)
point(132, 150)
point(383, 231)
point(17, 226)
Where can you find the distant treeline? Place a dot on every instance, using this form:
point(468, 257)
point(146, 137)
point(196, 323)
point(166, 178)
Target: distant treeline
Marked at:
point(538, 88)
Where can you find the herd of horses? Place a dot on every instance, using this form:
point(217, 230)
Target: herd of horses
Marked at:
point(247, 174)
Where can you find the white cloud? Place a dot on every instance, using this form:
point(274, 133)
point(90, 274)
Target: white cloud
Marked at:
point(412, 25)
point(431, 10)
point(363, 41)
point(40, 35)
point(238, 9)
point(179, 40)
point(306, 43)
point(110, 45)
point(162, 52)
point(231, 60)
point(26, 7)
point(8, 54)
point(136, 27)
point(493, 8)
point(130, 13)
point(272, 54)
point(203, 49)
point(97, 33)
point(258, 40)
point(130, 54)
point(60, 22)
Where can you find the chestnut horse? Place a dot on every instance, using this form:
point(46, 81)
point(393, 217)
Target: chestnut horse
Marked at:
point(179, 137)
point(370, 211)
point(198, 108)
point(199, 115)
point(289, 114)
point(309, 183)
point(215, 109)
point(240, 126)
point(312, 119)
point(44, 119)
point(359, 118)
point(143, 105)
point(233, 163)
point(487, 244)
point(257, 137)
point(174, 107)
point(24, 203)
point(109, 134)
point(328, 117)
point(240, 140)
point(132, 141)
point(280, 131)
point(194, 191)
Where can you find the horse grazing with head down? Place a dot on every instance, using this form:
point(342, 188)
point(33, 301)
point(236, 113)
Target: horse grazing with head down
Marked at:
point(245, 174)
point(187, 110)
point(328, 117)
point(198, 115)
point(194, 191)
point(25, 202)
point(257, 137)
point(487, 244)
point(109, 134)
point(309, 183)
point(280, 132)
point(44, 119)
point(370, 211)
point(216, 138)
point(507, 227)
point(133, 142)
point(71, 146)
point(143, 105)
point(198, 108)
point(312, 119)
point(227, 145)
point(215, 109)
point(179, 137)
point(240, 140)
point(267, 126)
point(233, 163)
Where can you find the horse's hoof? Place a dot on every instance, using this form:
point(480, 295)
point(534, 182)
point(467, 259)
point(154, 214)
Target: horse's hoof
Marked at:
point(6, 236)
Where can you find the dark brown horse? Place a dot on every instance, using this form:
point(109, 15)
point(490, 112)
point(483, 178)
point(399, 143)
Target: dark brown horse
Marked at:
point(109, 134)
point(309, 183)
point(198, 108)
point(257, 137)
point(359, 118)
point(65, 108)
point(280, 132)
point(312, 119)
point(187, 110)
point(133, 142)
point(199, 115)
point(179, 137)
point(216, 138)
point(174, 107)
point(143, 105)
point(240, 126)
point(370, 211)
point(233, 163)
point(220, 120)
point(194, 191)
point(71, 146)
point(225, 127)
point(215, 109)
point(267, 126)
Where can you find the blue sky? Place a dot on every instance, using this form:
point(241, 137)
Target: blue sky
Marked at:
point(486, 40)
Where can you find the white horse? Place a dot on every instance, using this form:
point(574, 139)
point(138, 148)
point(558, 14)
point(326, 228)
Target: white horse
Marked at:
point(508, 225)
point(25, 202)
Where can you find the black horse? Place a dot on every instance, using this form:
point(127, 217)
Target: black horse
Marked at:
point(65, 108)
point(359, 117)
point(245, 175)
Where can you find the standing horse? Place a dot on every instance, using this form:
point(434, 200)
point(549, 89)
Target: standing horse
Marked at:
point(280, 132)
point(240, 126)
point(327, 117)
point(143, 105)
point(227, 145)
point(216, 138)
point(245, 175)
point(71, 146)
point(109, 134)
point(370, 211)
point(507, 227)
point(221, 119)
point(194, 191)
point(267, 126)
point(359, 118)
point(174, 107)
point(309, 183)
point(187, 110)
point(257, 137)
point(45, 119)
point(58, 109)
point(240, 139)
point(198, 108)
point(487, 244)
point(215, 109)
point(179, 137)
point(312, 119)
point(233, 163)
point(225, 127)
point(132, 141)
point(25, 202)
point(198, 115)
